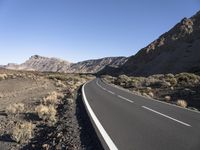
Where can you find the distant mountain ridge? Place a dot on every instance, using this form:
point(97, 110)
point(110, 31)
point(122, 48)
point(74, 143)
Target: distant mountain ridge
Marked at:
point(95, 65)
point(177, 50)
point(45, 64)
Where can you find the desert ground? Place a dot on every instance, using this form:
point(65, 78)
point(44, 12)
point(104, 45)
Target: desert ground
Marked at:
point(43, 111)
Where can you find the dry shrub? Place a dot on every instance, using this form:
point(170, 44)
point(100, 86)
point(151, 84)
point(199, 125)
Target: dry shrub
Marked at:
point(15, 108)
point(151, 94)
point(181, 103)
point(3, 76)
point(60, 84)
point(45, 146)
point(70, 101)
point(172, 81)
point(167, 98)
point(60, 95)
point(46, 113)
point(146, 95)
point(186, 79)
point(70, 92)
point(22, 132)
point(51, 98)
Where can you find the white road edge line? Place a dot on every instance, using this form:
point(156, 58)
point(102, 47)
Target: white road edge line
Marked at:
point(167, 116)
point(100, 85)
point(102, 131)
point(125, 98)
point(110, 92)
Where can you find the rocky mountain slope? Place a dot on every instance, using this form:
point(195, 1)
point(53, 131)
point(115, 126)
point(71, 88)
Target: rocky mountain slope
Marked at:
point(45, 64)
point(39, 63)
point(95, 65)
point(177, 50)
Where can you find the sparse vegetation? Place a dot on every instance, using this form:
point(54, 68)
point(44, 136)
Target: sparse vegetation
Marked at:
point(14, 109)
point(51, 98)
point(22, 132)
point(48, 99)
point(3, 76)
point(167, 98)
point(46, 113)
point(165, 87)
point(181, 103)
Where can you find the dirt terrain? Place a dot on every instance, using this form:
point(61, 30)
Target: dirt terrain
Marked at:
point(180, 89)
point(43, 111)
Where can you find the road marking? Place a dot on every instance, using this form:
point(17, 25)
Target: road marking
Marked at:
point(124, 98)
point(167, 116)
point(126, 90)
point(110, 92)
point(100, 85)
point(104, 88)
point(102, 131)
point(114, 93)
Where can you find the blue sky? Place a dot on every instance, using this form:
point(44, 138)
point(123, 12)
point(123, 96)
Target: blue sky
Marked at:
point(77, 30)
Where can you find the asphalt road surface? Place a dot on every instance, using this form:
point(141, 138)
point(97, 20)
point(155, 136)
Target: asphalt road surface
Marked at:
point(126, 121)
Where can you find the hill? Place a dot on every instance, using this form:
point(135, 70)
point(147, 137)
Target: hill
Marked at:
point(177, 50)
point(45, 64)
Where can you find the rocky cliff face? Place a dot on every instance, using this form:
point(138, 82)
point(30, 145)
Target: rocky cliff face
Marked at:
point(45, 64)
point(93, 66)
point(177, 50)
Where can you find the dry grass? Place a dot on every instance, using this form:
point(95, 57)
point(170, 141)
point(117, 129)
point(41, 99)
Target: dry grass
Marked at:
point(60, 84)
point(22, 132)
point(167, 98)
point(51, 98)
point(46, 113)
point(15, 108)
point(181, 103)
point(3, 76)
point(151, 94)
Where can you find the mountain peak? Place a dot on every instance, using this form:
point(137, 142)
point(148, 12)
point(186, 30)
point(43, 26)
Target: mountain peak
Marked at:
point(175, 51)
point(45, 64)
point(36, 57)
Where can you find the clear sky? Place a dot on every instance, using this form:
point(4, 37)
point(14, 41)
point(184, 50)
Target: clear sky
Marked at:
point(77, 30)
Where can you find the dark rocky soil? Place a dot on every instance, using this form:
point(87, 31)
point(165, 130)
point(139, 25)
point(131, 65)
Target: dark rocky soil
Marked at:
point(72, 129)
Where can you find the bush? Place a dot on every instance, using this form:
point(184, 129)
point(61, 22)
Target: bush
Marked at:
point(187, 79)
point(46, 113)
point(181, 103)
point(22, 132)
point(58, 76)
point(3, 76)
point(151, 94)
point(172, 81)
point(167, 98)
point(51, 99)
point(60, 84)
point(15, 108)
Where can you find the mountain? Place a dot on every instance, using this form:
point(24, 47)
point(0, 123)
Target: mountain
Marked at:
point(177, 50)
point(95, 65)
point(45, 64)
point(39, 63)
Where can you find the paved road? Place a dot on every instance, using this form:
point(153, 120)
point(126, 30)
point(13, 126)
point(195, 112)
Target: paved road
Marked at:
point(129, 122)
